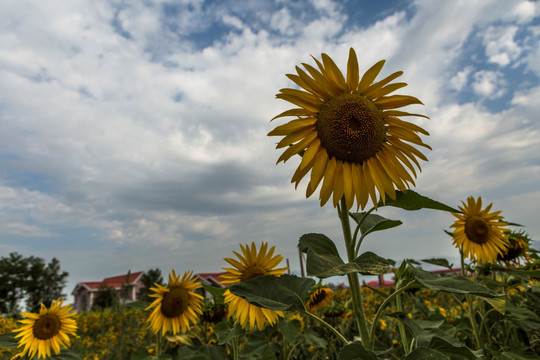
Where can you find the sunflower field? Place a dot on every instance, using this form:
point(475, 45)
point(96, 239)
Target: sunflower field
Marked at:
point(351, 142)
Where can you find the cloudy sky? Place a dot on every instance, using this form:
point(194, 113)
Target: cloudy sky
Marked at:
point(133, 133)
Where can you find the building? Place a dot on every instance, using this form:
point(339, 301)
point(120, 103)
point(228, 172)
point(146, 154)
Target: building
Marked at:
point(85, 292)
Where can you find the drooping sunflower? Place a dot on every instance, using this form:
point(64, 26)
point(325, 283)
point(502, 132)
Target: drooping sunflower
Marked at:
point(349, 133)
point(50, 329)
point(319, 298)
point(177, 306)
point(518, 245)
point(251, 264)
point(480, 233)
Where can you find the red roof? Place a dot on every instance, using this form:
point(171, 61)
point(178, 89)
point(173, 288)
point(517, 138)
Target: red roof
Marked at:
point(113, 281)
point(212, 277)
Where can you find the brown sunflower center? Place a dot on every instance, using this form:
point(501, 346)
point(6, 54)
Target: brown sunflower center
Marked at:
point(175, 302)
point(477, 230)
point(252, 272)
point(350, 128)
point(46, 327)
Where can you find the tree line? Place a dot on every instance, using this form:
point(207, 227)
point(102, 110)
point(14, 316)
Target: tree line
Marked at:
point(29, 280)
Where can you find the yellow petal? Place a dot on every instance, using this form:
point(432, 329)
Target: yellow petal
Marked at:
point(369, 76)
point(353, 73)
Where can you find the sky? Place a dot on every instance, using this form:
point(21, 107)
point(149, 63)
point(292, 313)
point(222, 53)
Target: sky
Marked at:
point(133, 133)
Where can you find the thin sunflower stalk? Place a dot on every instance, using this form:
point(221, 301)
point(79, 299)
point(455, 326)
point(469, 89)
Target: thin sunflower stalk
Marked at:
point(355, 145)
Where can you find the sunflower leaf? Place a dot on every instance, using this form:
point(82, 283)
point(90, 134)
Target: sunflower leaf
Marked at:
point(439, 262)
point(356, 351)
point(225, 332)
point(323, 266)
point(319, 243)
point(451, 284)
point(423, 353)
point(373, 222)
point(285, 292)
point(411, 200)
point(66, 354)
point(8, 341)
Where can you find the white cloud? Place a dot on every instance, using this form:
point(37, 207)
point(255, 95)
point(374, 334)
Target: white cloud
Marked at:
point(500, 45)
point(488, 84)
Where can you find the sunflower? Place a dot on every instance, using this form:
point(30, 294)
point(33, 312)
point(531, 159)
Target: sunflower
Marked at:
point(479, 232)
point(518, 245)
point(251, 264)
point(298, 318)
point(319, 298)
point(177, 305)
point(349, 133)
point(50, 329)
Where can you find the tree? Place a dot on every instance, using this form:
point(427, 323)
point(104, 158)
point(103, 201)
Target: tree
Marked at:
point(106, 297)
point(13, 271)
point(31, 279)
point(45, 283)
point(149, 278)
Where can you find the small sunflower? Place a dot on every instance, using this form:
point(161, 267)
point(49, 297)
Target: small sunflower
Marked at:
point(50, 329)
point(251, 264)
point(518, 245)
point(319, 298)
point(177, 306)
point(349, 133)
point(479, 232)
point(298, 318)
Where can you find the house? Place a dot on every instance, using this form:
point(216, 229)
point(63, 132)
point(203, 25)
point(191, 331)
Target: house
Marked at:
point(85, 292)
point(212, 279)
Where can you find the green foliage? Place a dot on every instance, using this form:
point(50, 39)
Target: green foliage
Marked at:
point(285, 292)
point(106, 297)
point(411, 200)
point(149, 279)
point(323, 259)
point(369, 223)
point(29, 279)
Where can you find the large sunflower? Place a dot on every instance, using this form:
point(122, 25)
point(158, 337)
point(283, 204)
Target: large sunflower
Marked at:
point(177, 305)
point(50, 329)
point(479, 232)
point(349, 133)
point(251, 264)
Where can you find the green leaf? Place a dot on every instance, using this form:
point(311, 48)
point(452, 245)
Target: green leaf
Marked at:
point(225, 332)
point(373, 222)
point(66, 354)
point(319, 243)
point(289, 329)
point(8, 341)
point(411, 200)
point(326, 266)
point(451, 284)
point(423, 353)
point(269, 355)
point(530, 273)
point(216, 292)
point(311, 337)
point(356, 351)
point(522, 317)
point(275, 293)
point(439, 262)
point(511, 355)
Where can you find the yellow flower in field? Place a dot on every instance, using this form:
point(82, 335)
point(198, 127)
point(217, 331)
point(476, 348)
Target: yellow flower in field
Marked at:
point(297, 317)
point(319, 298)
point(479, 232)
point(349, 132)
point(251, 264)
point(442, 311)
point(177, 305)
point(50, 329)
point(383, 325)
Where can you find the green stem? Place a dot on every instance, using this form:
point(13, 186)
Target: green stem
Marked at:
point(472, 319)
point(158, 344)
point(401, 326)
point(357, 248)
point(330, 327)
point(235, 347)
point(386, 302)
point(354, 283)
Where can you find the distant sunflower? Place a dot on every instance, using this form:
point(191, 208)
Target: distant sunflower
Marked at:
point(251, 264)
point(319, 299)
point(50, 329)
point(479, 232)
point(177, 305)
point(298, 318)
point(349, 133)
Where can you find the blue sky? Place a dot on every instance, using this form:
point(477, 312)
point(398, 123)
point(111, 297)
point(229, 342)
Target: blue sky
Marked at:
point(133, 134)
